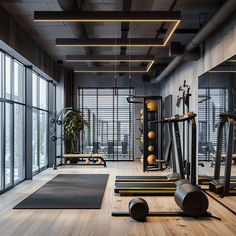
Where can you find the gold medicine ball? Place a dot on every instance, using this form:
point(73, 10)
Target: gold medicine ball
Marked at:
point(151, 134)
point(151, 159)
point(152, 106)
point(151, 148)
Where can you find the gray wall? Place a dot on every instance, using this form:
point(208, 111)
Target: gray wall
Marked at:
point(218, 48)
point(13, 35)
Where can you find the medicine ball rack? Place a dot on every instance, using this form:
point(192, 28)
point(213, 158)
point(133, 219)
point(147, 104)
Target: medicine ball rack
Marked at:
point(148, 125)
point(148, 117)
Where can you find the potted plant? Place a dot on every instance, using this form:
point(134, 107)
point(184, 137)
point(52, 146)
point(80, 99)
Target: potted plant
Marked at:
point(73, 125)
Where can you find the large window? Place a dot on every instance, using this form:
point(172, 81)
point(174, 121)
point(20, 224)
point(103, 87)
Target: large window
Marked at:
point(8, 77)
point(8, 145)
point(110, 122)
point(19, 82)
point(12, 121)
point(19, 149)
point(13, 107)
point(40, 123)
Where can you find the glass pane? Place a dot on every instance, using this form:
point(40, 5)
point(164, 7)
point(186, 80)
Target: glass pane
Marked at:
point(35, 89)
point(8, 146)
point(35, 141)
point(7, 77)
point(43, 139)
point(1, 148)
point(43, 94)
point(19, 170)
point(110, 122)
point(1, 74)
point(19, 82)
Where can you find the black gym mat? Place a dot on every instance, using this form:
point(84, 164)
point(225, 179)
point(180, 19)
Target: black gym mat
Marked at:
point(68, 191)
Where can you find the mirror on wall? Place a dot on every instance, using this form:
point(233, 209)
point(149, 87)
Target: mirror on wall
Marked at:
point(216, 94)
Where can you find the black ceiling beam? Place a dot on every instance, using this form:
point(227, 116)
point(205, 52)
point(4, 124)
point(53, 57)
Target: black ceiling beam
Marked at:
point(180, 31)
point(108, 42)
point(81, 58)
point(125, 25)
point(119, 16)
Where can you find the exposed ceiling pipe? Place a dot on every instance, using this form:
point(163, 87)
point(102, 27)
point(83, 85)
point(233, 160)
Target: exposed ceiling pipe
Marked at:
point(78, 29)
point(227, 9)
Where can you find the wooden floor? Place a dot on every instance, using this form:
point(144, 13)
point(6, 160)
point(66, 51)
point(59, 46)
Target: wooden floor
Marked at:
point(100, 222)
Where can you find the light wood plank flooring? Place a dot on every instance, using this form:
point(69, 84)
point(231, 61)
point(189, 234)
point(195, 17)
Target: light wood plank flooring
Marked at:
point(100, 222)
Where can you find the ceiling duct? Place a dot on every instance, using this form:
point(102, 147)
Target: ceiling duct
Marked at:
point(227, 9)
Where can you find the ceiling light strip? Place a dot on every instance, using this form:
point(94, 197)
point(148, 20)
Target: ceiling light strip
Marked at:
point(150, 65)
point(170, 32)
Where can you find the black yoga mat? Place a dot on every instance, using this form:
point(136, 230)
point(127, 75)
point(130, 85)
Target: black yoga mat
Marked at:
point(68, 191)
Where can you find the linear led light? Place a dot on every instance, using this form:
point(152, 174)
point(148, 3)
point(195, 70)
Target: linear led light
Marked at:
point(222, 71)
point(110, 58)
point(172, 17)
point(111, 70)
point(114, 60)
point(107, 16)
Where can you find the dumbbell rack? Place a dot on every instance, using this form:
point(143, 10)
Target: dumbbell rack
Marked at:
point(148, 125)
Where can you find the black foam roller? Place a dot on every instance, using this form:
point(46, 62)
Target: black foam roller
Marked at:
point(191, 200)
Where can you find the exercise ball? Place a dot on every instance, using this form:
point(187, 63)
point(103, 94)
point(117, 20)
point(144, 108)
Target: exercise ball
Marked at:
point(191, 200)
point(138, 209)
point(141, 139)
point(151, 134)
point(151, 148)
point(152, 106)
point(151, 159)
point(141, 111)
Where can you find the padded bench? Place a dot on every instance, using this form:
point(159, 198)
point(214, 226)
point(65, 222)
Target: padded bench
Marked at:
point(91, 157)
